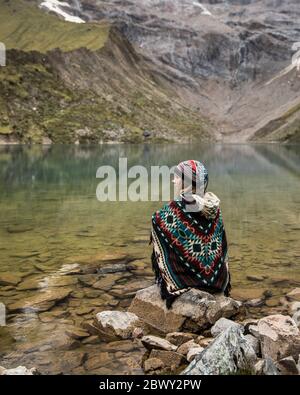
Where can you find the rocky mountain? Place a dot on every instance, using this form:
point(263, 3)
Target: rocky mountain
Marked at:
point(225, 70)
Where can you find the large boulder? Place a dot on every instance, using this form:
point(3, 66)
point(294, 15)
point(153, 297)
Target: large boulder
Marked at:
point(279, 336)
point(229, 353)
point(119, 324)
point(192, 311)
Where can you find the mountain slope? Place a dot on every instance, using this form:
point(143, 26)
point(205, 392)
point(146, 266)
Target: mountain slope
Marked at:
point(91, 89)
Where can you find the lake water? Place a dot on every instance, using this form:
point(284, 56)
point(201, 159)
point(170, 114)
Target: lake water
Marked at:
point(50, 218)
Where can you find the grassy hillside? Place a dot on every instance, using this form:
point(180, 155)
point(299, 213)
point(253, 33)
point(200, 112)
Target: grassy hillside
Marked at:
point(285, 128)
point(24, 26)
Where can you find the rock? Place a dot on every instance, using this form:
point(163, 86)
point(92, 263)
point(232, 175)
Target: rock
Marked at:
point(153, 364)
point(229, 353)
point(77, 333)
point(97, 361)
point(91, 340)
point(9, 279)
point(278, 335)
point(193, 352)
point(266, 367)
point(223, 307)
point(294, 295)
point(253, 341)
point(296, 318)
point(221, 325)
point(185, 347)
point(179, 338)
point(106, 283)
point(91, 328)
point(204, 342)
point(137, 333)
point(153, 342)
point(191, 311)
point(19, 371)
point(287, 366)
point(259, 302)
point(294, 307)
point(117, 323)
point(171, 360)
point(255, 278)
point(19, 228)
point(42, 301)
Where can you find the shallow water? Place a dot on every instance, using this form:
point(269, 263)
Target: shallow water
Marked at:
point(50, 217)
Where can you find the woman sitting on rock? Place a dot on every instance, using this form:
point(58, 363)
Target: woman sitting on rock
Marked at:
point(189, 240)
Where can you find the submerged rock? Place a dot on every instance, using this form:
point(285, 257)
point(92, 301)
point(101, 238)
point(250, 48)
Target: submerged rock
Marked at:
point(229, 353)
point(192, 311)
point(42, 301)
point(294, 295)
point(9, 279)
point(117, 323)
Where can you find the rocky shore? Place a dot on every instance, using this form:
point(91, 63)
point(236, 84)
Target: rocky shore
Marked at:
point(202, 334)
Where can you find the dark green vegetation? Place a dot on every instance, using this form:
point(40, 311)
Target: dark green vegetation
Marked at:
point(82, 83)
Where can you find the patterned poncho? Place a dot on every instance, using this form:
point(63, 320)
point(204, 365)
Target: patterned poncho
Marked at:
point(189, 248)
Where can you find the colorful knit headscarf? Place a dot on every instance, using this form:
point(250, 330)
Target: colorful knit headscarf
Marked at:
point(193, 174)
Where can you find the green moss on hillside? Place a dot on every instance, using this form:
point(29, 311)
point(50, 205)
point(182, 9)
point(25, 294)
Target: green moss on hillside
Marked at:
point(26, 27)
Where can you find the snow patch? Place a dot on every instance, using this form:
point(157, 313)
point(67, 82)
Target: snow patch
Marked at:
point(204, 10)
point(55, 6)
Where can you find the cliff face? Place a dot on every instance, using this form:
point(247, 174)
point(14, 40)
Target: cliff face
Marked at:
point(234, 60)
point(167, 69)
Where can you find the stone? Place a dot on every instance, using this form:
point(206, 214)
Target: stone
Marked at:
point(137, 333)
point(77, 333)
point(179, 338)
point(91, 340)
point(193, 352)
point(117, 323)
point(204, 342)
point(287, 366)
point(294, 307)
point(229, 353)
point(97, 361)
point(278, 335)
point(296, 318)
point(266, 367)
point(153, 364)
point(259, 302)
point(171, 360)
point(42, 301)
point(107, 282)
point(192, 311)
point(154, 342)
point(294, 295)
point(255, 278)
point(221, 325)
point(19, 371)
point(254, 342)
point(185, 347)
point(9, 279)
